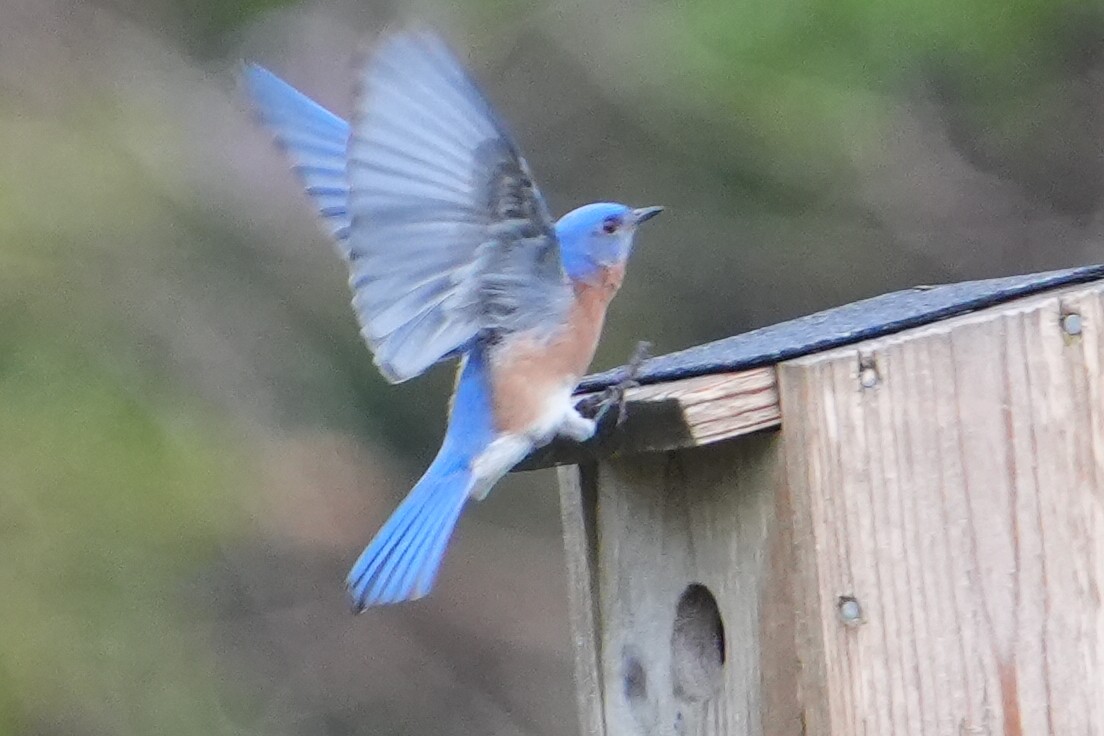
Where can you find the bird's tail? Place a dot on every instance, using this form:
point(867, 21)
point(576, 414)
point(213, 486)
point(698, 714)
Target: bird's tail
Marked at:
point(402, 560)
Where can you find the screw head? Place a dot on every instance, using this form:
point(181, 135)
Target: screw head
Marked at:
point(850, 612)
point(1072, 324)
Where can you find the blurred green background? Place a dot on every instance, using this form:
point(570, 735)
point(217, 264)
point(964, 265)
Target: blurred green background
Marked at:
point(194, 444)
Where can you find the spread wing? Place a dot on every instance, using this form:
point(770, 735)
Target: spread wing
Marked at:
point(313, 138)
point(450, 240)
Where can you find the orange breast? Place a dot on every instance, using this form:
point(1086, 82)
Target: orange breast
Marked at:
point(528, 369)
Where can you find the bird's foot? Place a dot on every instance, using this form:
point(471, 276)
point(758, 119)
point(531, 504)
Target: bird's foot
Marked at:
point(614, 396)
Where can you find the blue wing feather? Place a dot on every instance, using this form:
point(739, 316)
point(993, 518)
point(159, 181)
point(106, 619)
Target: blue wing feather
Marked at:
point(436, 186)
point(447, 237)
point(314, 138)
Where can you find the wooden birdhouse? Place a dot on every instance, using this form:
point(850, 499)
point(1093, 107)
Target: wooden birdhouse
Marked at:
point(883, 519)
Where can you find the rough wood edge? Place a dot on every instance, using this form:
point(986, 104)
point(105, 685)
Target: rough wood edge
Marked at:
point(672, 416)
point(578, 499)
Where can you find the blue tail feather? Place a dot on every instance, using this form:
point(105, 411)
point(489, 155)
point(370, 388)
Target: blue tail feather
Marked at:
point(436, 555)
point(402, 560)
point(390, 540)
point(399, 571)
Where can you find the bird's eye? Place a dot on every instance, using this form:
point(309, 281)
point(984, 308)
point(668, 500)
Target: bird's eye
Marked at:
point(610, 225)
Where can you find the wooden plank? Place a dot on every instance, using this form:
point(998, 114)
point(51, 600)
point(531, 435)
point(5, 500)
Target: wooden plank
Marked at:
point(677, 534)
point(780, 663)
point(948, 492)
point(668, 416)
point(578, 496)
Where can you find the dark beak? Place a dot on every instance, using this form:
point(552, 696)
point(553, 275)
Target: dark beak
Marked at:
point(645, 213)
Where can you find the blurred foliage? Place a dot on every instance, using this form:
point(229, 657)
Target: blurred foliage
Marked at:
point(109, 504)
point(208, 27)
point(118, 487)
point(809, 80)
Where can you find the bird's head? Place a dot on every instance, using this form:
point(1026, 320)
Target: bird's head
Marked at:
point(598, 236)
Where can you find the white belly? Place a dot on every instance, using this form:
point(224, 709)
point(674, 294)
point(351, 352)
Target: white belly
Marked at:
point(509, 449)
point(556, 408)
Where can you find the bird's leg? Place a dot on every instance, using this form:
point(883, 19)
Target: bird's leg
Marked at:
point(614, 395)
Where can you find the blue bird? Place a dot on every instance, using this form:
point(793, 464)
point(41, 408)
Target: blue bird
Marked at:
point(452, 253)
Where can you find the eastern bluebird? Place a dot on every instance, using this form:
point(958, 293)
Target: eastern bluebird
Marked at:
point(452, 253)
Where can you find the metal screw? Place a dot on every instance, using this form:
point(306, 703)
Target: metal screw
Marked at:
point(850, 611)
point(1072, 324)
point(868, 371)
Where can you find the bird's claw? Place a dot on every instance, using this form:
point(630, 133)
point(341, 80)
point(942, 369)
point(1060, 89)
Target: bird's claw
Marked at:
point(611, 396)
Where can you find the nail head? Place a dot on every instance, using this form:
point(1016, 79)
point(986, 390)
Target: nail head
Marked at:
point(1071, 324)
point(850, 611)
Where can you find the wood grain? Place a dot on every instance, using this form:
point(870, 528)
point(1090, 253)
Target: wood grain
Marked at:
point(951, 480)
point(668, 416)
point(670, 526)
point(578, 497)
